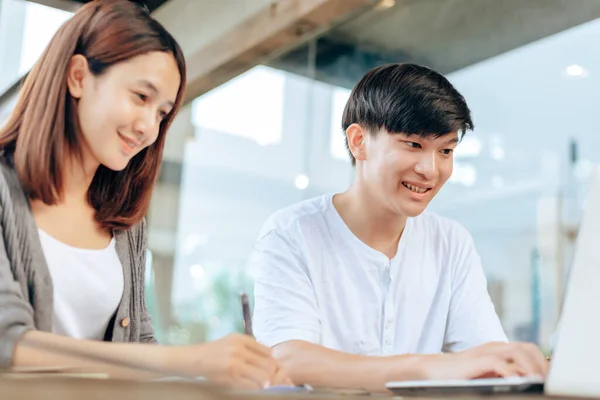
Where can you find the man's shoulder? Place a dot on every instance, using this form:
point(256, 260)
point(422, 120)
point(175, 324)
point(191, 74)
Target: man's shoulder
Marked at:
point(306, 212)
point(436, 226)
point(444, 239)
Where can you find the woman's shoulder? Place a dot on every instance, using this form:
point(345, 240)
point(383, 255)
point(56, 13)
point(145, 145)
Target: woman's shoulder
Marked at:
point(9, 181)
point(138, 231)
point(6, 165)
point(134, 236)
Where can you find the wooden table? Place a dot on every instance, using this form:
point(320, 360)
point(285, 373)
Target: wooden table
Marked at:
point(105, 389)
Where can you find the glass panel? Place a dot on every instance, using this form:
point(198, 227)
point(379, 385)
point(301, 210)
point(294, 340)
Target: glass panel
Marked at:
point(41, 22)
point(256, 97)
point(235, 174)
point(534, 115)
point(25, 30)
point(338, 101)
point(272, 137)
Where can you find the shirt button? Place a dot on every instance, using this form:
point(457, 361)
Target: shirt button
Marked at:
point(125, 322)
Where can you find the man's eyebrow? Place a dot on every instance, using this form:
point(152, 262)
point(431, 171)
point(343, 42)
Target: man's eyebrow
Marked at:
point(454, 140)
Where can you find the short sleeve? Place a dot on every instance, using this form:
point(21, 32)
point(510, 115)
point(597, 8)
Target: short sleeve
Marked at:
point(285, 302)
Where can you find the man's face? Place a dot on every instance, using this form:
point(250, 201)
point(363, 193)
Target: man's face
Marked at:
point(404, 171)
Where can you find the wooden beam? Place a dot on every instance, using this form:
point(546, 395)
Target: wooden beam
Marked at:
point(65, 5)
point(73, 5)
point(272, 31)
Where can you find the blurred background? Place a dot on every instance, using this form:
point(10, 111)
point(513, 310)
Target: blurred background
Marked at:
point(260, 130)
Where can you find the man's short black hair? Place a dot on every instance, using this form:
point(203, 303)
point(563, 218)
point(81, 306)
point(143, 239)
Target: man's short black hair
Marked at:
point(406, 98)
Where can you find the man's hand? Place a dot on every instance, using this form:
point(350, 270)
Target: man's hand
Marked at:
point(487, 361)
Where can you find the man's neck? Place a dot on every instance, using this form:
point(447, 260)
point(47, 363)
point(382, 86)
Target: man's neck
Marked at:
point(369, 221)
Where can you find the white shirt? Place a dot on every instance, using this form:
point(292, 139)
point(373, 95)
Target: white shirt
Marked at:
point(316, 281)
point(88, 286)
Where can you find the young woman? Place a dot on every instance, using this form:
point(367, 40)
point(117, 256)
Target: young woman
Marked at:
point(78, 160)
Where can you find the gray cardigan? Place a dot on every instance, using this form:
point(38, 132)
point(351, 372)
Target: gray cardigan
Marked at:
point(26, 294)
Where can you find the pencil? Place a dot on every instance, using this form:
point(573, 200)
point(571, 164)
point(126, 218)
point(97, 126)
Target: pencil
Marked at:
point(247, 315)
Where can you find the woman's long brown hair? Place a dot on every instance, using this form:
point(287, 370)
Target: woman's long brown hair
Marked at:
point(43, 128)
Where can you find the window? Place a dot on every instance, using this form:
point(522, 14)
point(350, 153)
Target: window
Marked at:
point(41, 22)
point(338, 144)
point(250, 106)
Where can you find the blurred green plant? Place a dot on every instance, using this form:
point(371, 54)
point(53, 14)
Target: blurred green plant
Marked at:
point(213, 312)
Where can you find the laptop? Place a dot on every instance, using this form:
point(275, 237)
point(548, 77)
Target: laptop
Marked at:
point(575, 367)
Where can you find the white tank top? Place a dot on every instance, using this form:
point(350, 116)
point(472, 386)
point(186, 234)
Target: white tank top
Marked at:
point(88, 286)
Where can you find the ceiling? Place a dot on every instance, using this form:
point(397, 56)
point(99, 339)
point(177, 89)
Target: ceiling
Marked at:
point(446, 35)
point(150, 4)
point(71, 5)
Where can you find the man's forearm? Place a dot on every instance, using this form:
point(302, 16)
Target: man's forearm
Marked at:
point(319, 366)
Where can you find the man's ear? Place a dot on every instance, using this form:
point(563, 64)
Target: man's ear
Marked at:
point(356, 135)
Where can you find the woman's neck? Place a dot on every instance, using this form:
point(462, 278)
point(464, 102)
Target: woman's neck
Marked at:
point(77, 179)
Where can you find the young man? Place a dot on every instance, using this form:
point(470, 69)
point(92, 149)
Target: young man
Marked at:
point(345, 279)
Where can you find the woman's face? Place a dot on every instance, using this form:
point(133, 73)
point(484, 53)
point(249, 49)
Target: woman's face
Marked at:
point(120, 111)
